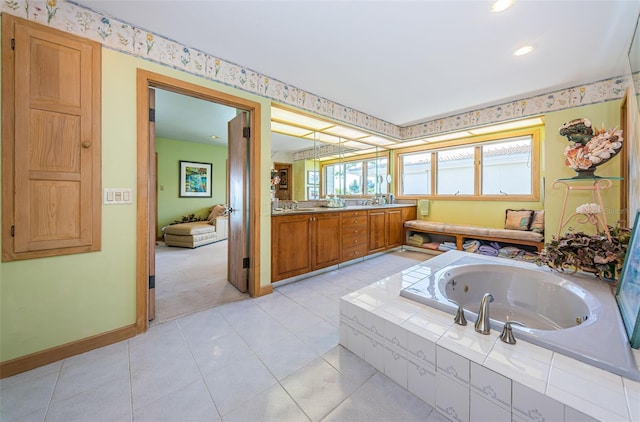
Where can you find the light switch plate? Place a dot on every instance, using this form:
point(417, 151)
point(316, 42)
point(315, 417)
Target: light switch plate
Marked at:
point(116, 196)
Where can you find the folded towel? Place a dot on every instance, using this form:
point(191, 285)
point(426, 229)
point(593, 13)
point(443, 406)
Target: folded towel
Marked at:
point(471, 245)
point(510, 252)
point(447, 246)
point(433, 245)
point(487, 250)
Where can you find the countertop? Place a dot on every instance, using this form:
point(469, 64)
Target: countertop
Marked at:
point(322, 209)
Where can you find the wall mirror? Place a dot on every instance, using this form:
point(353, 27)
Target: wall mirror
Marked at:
point(308, 143)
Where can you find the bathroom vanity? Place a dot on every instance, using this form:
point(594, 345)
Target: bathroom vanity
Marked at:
point(308, 239)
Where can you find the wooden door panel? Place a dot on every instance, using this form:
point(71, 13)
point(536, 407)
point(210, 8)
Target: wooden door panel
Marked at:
point(55, 198)
point(327, 240)
point(238, 220)
point(55, 140)
point(394, 228)
point(377, 231)
point(61, 80)
point(290, 255)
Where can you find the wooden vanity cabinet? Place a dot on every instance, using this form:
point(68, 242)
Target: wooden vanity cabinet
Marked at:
point(354, 234)
point(386, 227)
point(304, 243)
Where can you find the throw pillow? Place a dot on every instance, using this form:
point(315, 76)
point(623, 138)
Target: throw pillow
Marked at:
point(537, 222)
point(216, 211)
point(518, 219)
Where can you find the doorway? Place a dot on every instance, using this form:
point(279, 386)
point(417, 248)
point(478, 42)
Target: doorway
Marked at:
point(146, 184)
point(190, 131)
point(284, 186)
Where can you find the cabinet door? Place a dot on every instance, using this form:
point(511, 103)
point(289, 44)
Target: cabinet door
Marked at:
point(326, 229)
point(291, 246)
point(377, 231)
point(394, 228)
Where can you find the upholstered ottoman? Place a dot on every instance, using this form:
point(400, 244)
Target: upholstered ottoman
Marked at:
point(190, 235)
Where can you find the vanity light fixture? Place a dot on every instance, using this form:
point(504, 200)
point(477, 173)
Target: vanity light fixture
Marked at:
point(286, 116)
point(346, 132)
point(525, 49)
point(377, 140)
point(534, 121)
point(408, 144)
point(501, 5)
point(290, 130)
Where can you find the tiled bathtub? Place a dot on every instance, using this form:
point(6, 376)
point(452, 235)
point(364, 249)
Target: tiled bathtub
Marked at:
point(471, 377)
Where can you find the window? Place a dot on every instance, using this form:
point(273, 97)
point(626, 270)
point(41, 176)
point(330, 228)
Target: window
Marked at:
point(455, 171)
point(362, 177)
point(416, 173)
point(506, 167)
point(480, 168)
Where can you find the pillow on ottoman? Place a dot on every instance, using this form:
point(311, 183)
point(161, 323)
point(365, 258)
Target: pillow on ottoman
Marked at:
point(518, 219)
point(216, 211)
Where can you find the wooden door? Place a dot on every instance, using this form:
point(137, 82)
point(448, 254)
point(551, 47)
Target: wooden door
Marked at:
point(291, 250)
point(52, 198)
point(238, 203)
point(377, 231)
point(326, 232)
point(153, 205)
point(394, 228)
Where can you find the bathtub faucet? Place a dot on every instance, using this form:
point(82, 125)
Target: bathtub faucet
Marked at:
point(482, 324)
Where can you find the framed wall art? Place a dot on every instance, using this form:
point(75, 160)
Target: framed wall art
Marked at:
point(195, 179)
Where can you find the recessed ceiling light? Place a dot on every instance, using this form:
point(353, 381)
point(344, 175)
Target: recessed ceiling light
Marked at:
point(214, 137)
point(501, 5)
point(526, 49)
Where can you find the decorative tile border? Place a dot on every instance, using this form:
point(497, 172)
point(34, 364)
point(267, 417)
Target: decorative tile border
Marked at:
point(117, 35)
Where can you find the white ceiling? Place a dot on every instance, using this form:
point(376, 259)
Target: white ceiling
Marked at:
point(401, 61)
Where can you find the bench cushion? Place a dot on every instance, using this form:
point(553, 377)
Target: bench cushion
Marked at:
point(437, 227)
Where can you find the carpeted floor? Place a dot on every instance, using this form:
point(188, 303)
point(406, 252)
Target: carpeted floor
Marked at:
point(191, 280)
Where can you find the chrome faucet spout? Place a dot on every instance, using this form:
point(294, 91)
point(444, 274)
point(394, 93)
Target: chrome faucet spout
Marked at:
point(482, 323)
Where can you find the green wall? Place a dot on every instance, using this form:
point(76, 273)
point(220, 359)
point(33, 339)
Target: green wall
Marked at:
point(599, 114)
point(171, 206)
point(492, 213)
point(47, 302)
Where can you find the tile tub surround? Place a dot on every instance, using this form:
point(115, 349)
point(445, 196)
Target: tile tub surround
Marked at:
point(422, 350)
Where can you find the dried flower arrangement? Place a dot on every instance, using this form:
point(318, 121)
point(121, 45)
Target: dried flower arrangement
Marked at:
point(593, 253)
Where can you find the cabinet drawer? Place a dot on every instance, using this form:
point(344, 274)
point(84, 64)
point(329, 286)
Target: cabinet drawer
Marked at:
point(357, 231)
point(349, 214)
point(354, 252)
point(353, 241)
point(356, 221)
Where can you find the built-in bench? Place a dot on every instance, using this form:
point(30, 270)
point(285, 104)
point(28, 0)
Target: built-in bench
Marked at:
point(462, 233)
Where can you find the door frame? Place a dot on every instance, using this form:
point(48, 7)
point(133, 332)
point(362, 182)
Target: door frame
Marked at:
point(145, 80)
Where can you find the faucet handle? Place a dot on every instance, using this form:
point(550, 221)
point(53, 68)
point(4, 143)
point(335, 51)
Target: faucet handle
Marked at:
point(459, 319)
point(507, 333)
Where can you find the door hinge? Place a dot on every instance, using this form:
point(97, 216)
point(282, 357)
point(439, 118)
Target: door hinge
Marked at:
point(246, 132)
point(13, 43)
point(13, 231)
point(152, 114)
point(245, 263)
point(152, 281)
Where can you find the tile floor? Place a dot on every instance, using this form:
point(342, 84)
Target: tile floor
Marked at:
point(275, 358)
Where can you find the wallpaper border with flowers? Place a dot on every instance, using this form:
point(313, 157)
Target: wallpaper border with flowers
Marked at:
point(120, 36)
